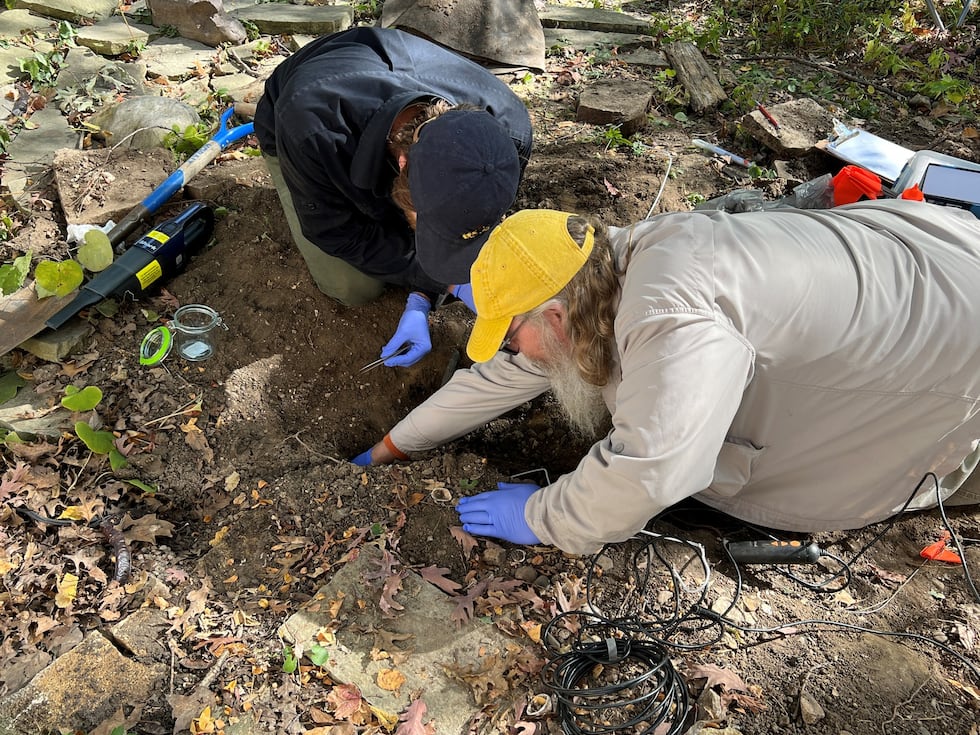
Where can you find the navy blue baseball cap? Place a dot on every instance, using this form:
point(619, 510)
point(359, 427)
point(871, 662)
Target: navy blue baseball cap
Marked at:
point(463, 175)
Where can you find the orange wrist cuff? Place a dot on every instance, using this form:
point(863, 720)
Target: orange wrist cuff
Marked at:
point(399, 454)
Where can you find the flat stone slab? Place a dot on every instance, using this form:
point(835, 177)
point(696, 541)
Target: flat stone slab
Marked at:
point(28, 413)
point(591, 19)
point(112, 37)
point(30, 154)
point(174, 58)
point(802, 124)
point(79, 690)
point(428, 638)
point(76, 11)
point(313, 19)
point(14, 23)
point(619, 102)
point(585, 40)
point(645, 57)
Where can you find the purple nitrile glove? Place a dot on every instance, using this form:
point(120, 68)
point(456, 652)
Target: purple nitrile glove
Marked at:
point(464, 292)
point(363, 459)
point(499, 513)
point(412, 332)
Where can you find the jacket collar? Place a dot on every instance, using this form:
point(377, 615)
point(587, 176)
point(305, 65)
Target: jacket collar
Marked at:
point(369, 167)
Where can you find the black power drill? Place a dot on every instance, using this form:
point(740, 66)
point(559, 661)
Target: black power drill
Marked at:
point(160, 253)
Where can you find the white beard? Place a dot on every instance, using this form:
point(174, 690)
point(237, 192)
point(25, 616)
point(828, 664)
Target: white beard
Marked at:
point(581, 403)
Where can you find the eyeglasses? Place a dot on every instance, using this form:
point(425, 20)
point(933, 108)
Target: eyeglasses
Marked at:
point(505, 345)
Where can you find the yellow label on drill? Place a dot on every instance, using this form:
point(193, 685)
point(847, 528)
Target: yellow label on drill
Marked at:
point(149, 273)
point(158, 236)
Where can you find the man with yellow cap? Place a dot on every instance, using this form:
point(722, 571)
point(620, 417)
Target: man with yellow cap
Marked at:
point(798, 369)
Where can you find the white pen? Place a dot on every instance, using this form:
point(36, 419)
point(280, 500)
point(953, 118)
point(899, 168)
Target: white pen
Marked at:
point(718, 151)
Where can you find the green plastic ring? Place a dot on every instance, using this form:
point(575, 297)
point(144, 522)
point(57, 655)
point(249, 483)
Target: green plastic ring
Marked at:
point(156, 346)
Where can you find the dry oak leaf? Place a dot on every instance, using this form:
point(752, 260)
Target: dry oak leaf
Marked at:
point(463, 539)
point(145, 528)
point(391, 680)
point(345, 700)
point(437, 576)
point(410, 721)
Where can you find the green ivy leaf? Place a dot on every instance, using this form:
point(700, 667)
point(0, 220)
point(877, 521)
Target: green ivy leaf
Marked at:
point(100, 442)
point(107, 307)
point(10, 383)
point(116, 459)
point(12, 275)
point(81, 400)
point(96, 254)
point(318, 655)
point(289, 662)
point(148, 489)
point(57, 279)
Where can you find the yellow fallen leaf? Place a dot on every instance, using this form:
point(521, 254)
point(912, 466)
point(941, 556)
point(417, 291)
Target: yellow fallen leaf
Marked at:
point(218, 536)
point(6, 566)
point(204, 723)
point(72, 513)
point(391, 680)
point(67, 590)
point(387, 719)
point(533, 630)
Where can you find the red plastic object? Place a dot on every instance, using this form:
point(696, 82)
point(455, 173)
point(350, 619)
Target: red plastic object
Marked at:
point(914, 193)
point(853, 183)
point(938, 551)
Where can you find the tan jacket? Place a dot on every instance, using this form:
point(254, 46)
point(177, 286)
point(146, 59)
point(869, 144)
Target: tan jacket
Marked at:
point(798, 369)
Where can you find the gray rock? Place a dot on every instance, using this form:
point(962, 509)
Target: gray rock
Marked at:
point(30, 154)
point(77, 11)
point(645, 57)
point(27, 413)
point(424, 628)
point(143, 122)
point(141, 633)
point(83, 65)
point(591, 19)
point(503, 33)
point(802, 124)
point(10, 57)
point(587, 40)
point(54, 346)
point(112, 37)
point(14, 23)
point(810, 710)
point(79, 690)
point(199, 20)
point(174, 58)
point(316, 20)
point(616, 102)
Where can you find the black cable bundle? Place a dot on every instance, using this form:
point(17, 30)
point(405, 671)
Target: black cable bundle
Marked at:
point(643, 692)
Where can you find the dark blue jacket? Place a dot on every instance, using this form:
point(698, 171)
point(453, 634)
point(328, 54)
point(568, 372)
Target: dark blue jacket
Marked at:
point(326, 114)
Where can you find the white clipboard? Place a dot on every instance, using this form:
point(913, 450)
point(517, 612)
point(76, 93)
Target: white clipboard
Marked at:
point(867, 150)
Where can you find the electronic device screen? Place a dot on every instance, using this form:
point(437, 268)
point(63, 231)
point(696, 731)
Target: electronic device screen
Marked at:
point(951, 184)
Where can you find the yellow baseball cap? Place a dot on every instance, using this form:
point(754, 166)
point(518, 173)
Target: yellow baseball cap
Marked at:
point(527, 259)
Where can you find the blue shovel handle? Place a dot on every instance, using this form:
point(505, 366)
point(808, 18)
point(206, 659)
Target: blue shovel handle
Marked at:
point(190, 168)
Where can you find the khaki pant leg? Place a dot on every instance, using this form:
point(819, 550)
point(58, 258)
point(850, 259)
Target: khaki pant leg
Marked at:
point(336, 278)
point(968, 492)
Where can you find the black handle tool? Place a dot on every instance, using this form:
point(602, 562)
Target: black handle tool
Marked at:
point(160, 253)
point(773, 552)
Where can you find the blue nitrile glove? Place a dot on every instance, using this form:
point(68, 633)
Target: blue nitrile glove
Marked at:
point(412, 332)
point(499, 513)
point(464, 292)
point(363, 459)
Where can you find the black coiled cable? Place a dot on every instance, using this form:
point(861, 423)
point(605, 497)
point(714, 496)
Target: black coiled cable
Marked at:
point(643, 691)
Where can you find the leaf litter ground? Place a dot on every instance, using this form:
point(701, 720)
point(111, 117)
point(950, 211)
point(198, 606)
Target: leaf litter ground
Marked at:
point(253, 505)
